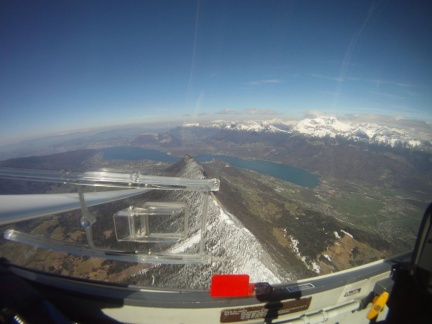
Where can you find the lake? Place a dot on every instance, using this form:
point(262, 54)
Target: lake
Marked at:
point(281, 171)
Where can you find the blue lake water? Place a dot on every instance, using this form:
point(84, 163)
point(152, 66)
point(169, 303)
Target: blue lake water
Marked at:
point(281, 171)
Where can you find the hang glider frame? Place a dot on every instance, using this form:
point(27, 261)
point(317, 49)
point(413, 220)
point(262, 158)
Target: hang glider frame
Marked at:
point(130, 224)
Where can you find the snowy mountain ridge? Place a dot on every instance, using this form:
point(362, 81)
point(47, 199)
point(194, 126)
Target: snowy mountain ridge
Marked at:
point(225, 238)
point(330, 127)
point(248, 126)
point(362, 132)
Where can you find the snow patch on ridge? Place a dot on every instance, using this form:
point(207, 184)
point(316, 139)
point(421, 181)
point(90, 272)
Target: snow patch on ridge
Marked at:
point(310, 265)
point(327, 257)
point(242, 248)
point(346, 233)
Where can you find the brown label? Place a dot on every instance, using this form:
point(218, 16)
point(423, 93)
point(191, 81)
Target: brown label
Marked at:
point(268, 311)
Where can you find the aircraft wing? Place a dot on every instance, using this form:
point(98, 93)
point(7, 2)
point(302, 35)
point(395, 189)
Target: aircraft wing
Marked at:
point(15, 208)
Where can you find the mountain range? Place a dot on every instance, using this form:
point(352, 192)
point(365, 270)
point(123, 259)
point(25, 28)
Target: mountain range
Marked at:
point(274, 222)
point(331, 127)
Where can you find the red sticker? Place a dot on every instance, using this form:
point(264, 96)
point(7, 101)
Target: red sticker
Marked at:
point(230, 285)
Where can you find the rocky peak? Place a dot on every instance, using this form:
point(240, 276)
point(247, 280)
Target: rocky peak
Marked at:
point(186, 168)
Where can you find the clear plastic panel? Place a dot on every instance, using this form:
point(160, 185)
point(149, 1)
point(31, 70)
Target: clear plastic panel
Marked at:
point(111, 179)
point(167, 225)
point(135, 224)
point(117, 255)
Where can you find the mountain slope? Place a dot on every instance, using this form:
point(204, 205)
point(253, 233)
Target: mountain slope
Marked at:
point(225, 238)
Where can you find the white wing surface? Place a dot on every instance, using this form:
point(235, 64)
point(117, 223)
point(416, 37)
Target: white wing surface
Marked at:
point(15, 208)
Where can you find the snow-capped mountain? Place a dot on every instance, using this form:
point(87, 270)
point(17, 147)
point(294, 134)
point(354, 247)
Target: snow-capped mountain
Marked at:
point(330, 127)
point(226, 238)
point(364, 132)
point(247, 126)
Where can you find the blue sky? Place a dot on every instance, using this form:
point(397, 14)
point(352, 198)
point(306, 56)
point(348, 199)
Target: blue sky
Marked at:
point(69, 65)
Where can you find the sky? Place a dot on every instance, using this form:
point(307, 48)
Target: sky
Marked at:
point(75, 65)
